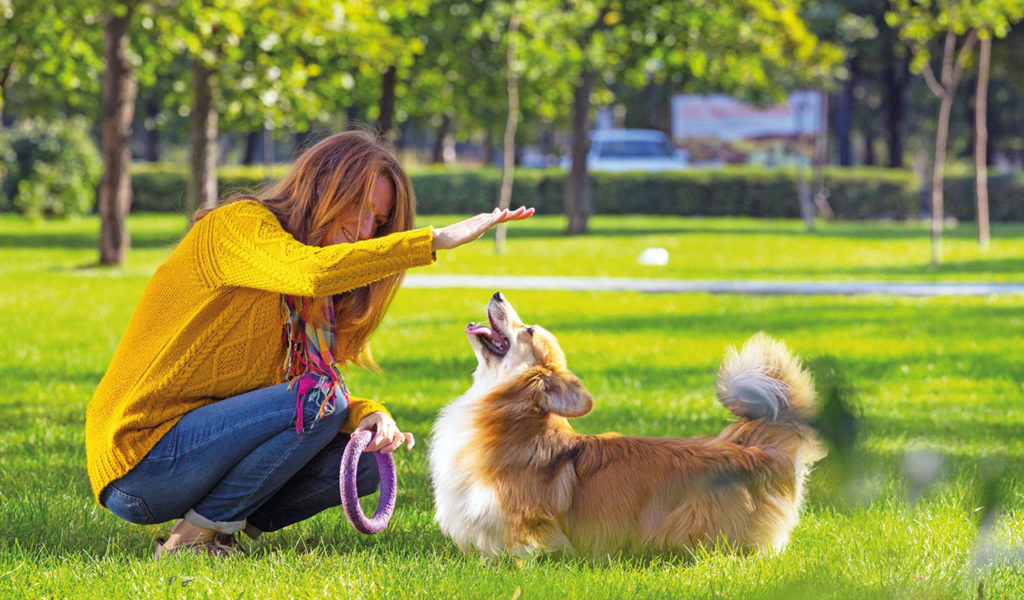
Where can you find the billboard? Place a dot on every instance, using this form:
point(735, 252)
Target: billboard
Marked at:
point(721, 117)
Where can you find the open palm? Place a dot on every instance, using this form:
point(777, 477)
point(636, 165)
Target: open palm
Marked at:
point(462, 232)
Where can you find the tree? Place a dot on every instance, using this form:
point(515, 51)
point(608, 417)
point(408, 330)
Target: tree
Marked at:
point(119, 90)
point(954, 25)
point(751, 48)
point(51, 58)
point(230, 49)
point(999, 19)
point(981, 142)
point(875, 76)
point(511, 123)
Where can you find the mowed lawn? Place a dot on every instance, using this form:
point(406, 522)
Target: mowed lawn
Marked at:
point(929, 504)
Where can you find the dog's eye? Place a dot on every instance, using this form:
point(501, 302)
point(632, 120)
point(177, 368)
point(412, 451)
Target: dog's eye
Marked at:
point(529, 330)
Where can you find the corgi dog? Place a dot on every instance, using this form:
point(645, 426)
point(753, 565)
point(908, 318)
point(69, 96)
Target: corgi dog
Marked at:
point(511, 476)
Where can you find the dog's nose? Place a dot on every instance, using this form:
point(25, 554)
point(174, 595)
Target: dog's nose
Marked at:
point(498, 297)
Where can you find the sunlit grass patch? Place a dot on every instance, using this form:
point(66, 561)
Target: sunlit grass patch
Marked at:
point(935, 383)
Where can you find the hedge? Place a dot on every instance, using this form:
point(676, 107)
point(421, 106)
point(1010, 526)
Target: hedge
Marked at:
point(1005, 197)
point(49, 167)
point(857, 193)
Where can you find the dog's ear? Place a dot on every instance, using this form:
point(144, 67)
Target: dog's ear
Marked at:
point(565, 395)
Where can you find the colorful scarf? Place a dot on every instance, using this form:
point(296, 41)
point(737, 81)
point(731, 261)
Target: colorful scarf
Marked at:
point(310, 361)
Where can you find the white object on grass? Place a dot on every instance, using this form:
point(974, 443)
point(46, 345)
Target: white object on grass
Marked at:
point(653, 256)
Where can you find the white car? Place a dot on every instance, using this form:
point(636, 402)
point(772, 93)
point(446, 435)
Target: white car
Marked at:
point(632, 150)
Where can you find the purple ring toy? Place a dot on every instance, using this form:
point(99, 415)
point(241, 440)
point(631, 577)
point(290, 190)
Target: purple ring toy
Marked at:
point(349, 494)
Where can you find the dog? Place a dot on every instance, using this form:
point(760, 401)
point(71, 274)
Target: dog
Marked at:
point(511, 476)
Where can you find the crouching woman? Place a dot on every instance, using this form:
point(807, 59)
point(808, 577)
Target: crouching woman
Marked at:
point(224, 406)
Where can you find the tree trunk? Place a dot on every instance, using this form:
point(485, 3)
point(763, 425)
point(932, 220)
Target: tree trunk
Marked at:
point(5, 73)
point(119, 91)
point(487, 145)
point(981, 143)
point(202, 188)
point(869, 144)
point(437, 153)
point(577, 189)
point(938, 174)
point(152, 151)
point(651, 100)
point(952, 69)
point(387, 102)
point(820, 193)
point(511, 123)
point(252, 142)
point(844, 116)
point(269, 152)
point(896, 77)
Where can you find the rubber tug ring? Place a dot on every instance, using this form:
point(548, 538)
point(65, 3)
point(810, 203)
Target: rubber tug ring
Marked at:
point(350, 495)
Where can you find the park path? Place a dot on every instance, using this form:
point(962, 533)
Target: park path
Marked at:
point(675, 286)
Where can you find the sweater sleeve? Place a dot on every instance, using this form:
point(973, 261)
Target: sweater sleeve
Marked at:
point(244, 245)
point(358, 408)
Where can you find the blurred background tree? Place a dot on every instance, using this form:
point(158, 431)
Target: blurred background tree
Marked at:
point(948, 30)
point(205, 83)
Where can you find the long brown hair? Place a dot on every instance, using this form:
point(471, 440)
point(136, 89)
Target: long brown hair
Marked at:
point(327, 182)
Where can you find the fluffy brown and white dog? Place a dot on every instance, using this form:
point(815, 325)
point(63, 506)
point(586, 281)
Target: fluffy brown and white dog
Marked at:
point(511, 476)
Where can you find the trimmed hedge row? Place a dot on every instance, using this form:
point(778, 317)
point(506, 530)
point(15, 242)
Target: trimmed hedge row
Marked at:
point(1005, 197)
point(742, 191)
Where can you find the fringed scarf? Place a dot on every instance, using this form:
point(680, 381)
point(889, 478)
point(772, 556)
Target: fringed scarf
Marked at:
point(310, 361)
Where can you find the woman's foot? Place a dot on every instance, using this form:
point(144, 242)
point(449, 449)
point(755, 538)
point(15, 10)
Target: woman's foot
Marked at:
point(187, 537)
point(199, 548)
point(188, 534)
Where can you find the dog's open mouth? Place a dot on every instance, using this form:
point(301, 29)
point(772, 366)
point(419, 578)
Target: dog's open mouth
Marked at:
point(490, 337)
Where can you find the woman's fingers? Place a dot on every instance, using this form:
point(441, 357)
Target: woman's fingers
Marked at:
point(390, 439)
point(518, 214)
point(378, 441)
point(395, 444)
point(472, 228)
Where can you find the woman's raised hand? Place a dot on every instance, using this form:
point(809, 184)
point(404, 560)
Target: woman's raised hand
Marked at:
point(462, 232)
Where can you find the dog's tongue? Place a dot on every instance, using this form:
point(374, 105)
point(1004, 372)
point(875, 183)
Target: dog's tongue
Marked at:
point(487, 332)
point(475, 329)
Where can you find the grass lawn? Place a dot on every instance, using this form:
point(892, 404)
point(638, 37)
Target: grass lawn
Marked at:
point(699, 248)
point(930, 505)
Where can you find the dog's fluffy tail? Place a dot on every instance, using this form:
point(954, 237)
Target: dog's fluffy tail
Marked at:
point(765, 381)
point(774, 397)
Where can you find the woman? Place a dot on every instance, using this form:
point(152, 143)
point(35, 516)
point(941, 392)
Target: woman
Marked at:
point(223, 404)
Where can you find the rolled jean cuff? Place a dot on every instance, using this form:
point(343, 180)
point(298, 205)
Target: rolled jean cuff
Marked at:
point(220, 526)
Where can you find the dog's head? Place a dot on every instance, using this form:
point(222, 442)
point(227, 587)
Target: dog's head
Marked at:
point(528, 357)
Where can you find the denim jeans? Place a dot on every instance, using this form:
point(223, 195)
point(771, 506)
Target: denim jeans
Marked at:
point(239, 464)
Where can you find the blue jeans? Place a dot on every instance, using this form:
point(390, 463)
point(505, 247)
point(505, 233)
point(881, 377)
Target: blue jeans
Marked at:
point(239, 464)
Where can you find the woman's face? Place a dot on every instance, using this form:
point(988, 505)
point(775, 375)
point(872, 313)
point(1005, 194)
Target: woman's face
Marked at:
point(355, 227)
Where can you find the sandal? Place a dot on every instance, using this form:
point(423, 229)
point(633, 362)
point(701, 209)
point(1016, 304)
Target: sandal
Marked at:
point(211, 548)
point(230, 543)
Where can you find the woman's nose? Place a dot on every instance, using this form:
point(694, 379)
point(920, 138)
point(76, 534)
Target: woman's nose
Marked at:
point(366, 228)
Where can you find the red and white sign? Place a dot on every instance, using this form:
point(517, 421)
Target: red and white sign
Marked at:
point(720, 116)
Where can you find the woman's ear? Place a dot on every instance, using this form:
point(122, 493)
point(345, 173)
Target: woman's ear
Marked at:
point(563, 394)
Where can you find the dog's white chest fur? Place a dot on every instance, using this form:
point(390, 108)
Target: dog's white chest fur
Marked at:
point(467, 510)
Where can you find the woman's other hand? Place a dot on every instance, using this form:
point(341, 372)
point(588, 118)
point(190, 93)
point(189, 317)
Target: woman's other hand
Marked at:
point(387, 437)
point(462, 232)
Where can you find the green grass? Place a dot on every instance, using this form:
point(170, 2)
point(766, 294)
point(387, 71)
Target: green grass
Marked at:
point(699, 248)
point(940, 378)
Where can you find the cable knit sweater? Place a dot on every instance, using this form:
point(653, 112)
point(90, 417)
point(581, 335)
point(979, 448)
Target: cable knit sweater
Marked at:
point(209, 326)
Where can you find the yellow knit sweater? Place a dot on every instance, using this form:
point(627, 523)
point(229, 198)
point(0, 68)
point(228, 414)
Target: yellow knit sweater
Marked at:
point(209, 326)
